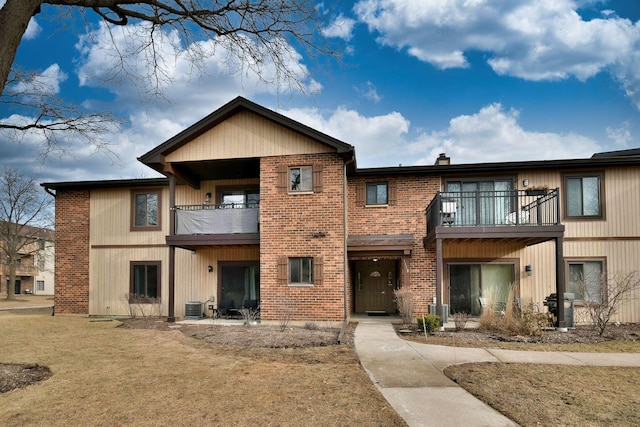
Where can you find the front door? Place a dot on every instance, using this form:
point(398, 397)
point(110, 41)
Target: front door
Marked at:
point(17, 288)
point(375, 283)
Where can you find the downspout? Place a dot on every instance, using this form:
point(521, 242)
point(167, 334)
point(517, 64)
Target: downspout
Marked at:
point(345, 313)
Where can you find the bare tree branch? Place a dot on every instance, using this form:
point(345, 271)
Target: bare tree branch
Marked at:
point(255, 34)
point(25, 219)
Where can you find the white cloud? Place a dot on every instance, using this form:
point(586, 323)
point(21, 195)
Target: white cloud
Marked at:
point(621, 135)
point(369, 92)
point(341, 27)
point(530, 39)
point(46, 83)
point(170, 66)
point(494, 135)
point(490, 135)
point(378, 139)
point(186, 97)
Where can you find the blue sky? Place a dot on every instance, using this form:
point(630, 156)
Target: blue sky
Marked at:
point(482, 80)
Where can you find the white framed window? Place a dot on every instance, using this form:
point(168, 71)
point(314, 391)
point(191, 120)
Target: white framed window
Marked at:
point(40, 285)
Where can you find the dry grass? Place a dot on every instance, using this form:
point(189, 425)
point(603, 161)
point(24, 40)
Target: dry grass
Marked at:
point(544, 395)
point(108, 376)
point(26, 301)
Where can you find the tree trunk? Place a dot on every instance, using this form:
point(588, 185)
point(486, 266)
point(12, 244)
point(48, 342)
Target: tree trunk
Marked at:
point(14, 19)
point(11, 285)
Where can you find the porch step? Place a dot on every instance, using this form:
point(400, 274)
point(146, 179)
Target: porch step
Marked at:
point(376, 313)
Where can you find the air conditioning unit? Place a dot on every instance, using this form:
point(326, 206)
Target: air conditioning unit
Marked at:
point(193, 310)
point(445, 309)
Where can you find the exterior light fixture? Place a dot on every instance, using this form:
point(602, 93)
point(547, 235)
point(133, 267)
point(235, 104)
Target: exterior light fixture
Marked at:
point(210, 268)
point(207, 198)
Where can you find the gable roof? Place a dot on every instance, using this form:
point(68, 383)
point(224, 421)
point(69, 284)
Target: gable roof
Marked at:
point(155, 157)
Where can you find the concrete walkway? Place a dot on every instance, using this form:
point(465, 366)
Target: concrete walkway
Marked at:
point(409, 375)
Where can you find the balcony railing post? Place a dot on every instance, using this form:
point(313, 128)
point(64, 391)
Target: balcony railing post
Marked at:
point(557, 195)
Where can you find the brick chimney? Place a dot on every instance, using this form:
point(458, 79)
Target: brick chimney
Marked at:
point(443, 160)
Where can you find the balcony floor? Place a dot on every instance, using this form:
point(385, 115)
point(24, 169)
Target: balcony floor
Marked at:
point(198, 241)
point(525, 235)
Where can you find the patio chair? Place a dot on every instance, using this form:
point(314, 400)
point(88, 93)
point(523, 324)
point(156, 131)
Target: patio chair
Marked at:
point(228, 310)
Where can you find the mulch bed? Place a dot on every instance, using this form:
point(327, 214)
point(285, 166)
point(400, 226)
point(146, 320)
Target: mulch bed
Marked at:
point(13, 376)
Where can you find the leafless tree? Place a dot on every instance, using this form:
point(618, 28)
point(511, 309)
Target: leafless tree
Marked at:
point(602, 302)
point(25, 219)
point(256, 34)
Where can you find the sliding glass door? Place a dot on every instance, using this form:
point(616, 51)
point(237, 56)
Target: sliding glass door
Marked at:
point(481, 202)
point(469, 282)
point(239, 284)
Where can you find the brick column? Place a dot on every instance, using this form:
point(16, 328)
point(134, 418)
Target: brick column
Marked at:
point(72, 252)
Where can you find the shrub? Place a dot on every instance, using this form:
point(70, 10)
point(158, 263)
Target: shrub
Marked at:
point(460, 319)
point(404, 304)
point(429, 323)
point(603, 302)
point(312, 326)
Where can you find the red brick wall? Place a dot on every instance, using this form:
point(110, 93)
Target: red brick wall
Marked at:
point(72, 252)
point(407, 216)
point(287, 222)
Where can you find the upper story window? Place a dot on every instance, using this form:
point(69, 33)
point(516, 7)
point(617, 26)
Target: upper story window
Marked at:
point(145, 210)
point(583, 195)
point(380, 193)
point(377, 193)
point(301, 178)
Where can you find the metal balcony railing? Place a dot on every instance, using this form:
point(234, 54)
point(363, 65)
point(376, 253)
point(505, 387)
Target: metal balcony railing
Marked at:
point(227, 218)
point(494, 209)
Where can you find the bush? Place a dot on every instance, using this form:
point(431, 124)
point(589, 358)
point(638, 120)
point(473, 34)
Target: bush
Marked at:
point(527, 320)
point(429, 323)
point(460, 319)
point(405, 303)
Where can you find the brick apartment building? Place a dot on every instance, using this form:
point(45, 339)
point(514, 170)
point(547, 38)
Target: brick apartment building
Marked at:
point(256, 208)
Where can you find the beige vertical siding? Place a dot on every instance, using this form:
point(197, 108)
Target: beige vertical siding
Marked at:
point(109, 277)
point(110, 269)
point(246, 135)
point(622, 203)
point(621, 257)
point(193, 280)
point(111, 219)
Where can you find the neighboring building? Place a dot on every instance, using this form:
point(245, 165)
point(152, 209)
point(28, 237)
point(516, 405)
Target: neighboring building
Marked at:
point(257, 207)
point(35, 274)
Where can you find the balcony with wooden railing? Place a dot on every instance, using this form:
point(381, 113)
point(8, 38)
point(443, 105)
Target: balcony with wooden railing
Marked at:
point(518, 215)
